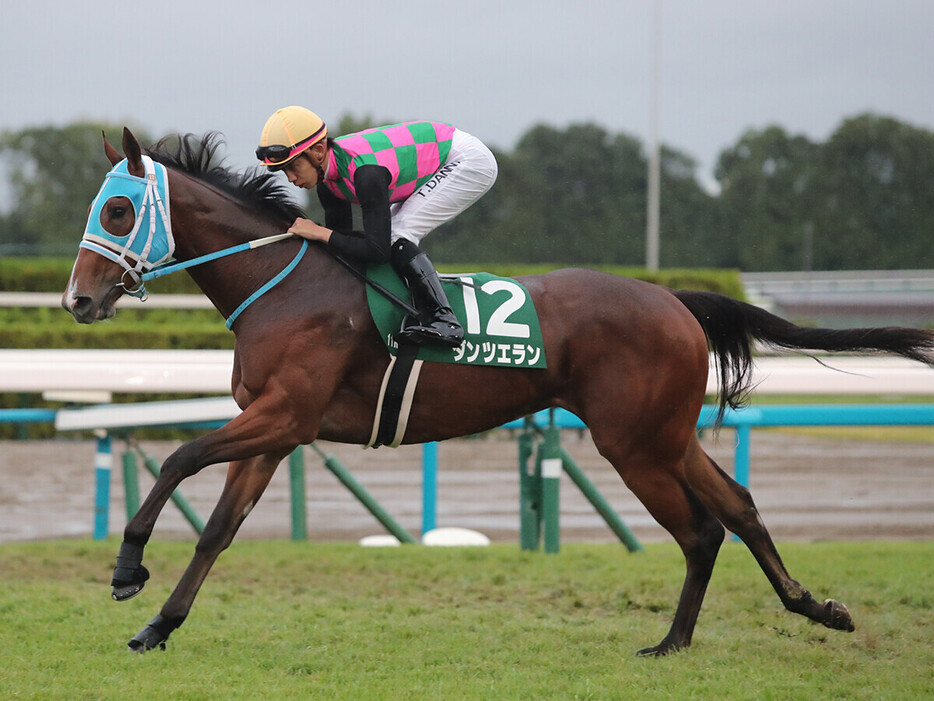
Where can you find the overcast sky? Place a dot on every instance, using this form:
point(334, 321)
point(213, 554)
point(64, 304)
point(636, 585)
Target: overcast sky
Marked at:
point(494, 68)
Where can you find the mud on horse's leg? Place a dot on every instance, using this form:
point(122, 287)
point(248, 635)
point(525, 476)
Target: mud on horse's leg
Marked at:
point(795, 597)
point(733, 505)
point(246, 482)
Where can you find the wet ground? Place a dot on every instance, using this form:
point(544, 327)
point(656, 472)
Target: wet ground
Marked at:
point(806, 489)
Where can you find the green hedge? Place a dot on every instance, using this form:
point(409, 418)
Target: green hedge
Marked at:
point(67, 334)
point(132, 328)
point(726, 282)
point(51, 275)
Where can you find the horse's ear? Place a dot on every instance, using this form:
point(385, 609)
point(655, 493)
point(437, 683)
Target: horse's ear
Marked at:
point(134, 154)
point(112, 154)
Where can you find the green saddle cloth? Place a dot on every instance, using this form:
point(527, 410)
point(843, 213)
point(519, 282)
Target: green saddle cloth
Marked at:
point(501, 326)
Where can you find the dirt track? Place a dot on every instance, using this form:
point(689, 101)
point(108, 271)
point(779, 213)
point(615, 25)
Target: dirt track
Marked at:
point(806, 489)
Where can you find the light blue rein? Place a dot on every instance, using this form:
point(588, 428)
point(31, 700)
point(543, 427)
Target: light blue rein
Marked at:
point(167, 268)
point(149, 196)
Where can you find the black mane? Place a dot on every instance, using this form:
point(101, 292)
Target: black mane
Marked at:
point(255, 187)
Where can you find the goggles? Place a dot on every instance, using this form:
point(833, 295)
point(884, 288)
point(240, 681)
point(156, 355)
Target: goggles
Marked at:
point(278, 154)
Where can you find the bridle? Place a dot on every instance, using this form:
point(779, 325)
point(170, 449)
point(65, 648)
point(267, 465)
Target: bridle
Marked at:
point(150, 241)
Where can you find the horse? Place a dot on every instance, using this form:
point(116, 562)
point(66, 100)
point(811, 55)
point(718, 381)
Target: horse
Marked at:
point(628, 357)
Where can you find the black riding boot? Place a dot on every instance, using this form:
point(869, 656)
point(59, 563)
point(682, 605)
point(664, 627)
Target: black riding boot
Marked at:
point(436, 323)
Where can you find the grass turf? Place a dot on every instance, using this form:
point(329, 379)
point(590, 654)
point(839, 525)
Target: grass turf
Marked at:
point(297, 620)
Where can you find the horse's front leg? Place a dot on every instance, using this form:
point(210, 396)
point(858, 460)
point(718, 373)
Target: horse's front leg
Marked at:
point(246, 482)
point(261, 429)
point(130, 575)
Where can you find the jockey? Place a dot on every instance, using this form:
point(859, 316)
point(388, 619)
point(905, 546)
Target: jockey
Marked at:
point(408, 179)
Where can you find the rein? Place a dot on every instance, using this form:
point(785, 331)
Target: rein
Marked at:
point(168, 268)
point(388, 294)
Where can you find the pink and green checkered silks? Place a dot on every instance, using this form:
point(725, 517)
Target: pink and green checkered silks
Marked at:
point(413, 152)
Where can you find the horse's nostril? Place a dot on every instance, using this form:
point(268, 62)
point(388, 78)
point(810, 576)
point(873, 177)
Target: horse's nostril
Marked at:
point(82, 309)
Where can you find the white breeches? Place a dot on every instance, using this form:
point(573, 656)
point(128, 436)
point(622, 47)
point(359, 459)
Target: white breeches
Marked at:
point(470, 170)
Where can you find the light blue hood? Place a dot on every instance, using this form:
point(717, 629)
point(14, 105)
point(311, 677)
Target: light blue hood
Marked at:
point(150, 242)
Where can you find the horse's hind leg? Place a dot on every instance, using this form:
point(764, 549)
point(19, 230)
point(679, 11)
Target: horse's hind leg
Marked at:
point(246, 482)
point(657, 483)
point(732, 504)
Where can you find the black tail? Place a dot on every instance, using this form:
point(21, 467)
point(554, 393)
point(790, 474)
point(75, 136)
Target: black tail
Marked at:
point(732, 327)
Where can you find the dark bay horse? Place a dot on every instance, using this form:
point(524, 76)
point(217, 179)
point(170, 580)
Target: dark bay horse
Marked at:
point(628, 357)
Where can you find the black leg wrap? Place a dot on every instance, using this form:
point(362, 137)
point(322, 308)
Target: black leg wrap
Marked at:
point(129, 575)
point(155, 633)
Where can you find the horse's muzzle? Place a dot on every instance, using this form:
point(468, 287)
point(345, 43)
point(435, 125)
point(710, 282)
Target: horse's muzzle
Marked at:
point(86, 311)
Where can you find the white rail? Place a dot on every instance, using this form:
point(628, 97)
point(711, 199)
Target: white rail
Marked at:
point(208, 372)
point(157, 301)
point(185, 371)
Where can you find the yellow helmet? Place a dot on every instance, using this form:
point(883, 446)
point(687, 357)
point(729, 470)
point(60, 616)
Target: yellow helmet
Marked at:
point(289, 132)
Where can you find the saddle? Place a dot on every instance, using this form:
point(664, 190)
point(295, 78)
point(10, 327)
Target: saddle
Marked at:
point(501, 329)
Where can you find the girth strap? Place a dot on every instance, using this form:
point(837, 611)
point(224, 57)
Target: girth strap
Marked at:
point(395, 397)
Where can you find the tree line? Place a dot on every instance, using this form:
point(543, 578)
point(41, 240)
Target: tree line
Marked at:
point(577, 195)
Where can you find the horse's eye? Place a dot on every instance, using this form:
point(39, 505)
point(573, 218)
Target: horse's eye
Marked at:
point(118, 212)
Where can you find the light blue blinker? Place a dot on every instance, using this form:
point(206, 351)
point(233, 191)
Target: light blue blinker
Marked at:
point(150, 242)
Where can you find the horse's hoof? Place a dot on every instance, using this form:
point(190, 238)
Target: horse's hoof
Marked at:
point(149, 637)
point(141, 647)
point(650, 652)
point(837, 616)
point(127, 591)
point(127, 583)
point(659, 650)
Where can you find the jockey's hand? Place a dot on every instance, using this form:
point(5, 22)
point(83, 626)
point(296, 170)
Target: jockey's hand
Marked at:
point(307, 229)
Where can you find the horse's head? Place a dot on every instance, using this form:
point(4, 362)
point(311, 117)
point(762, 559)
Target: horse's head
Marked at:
point(128, 232)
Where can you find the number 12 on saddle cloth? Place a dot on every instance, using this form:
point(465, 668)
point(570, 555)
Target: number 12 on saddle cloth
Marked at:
point(501, 326)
